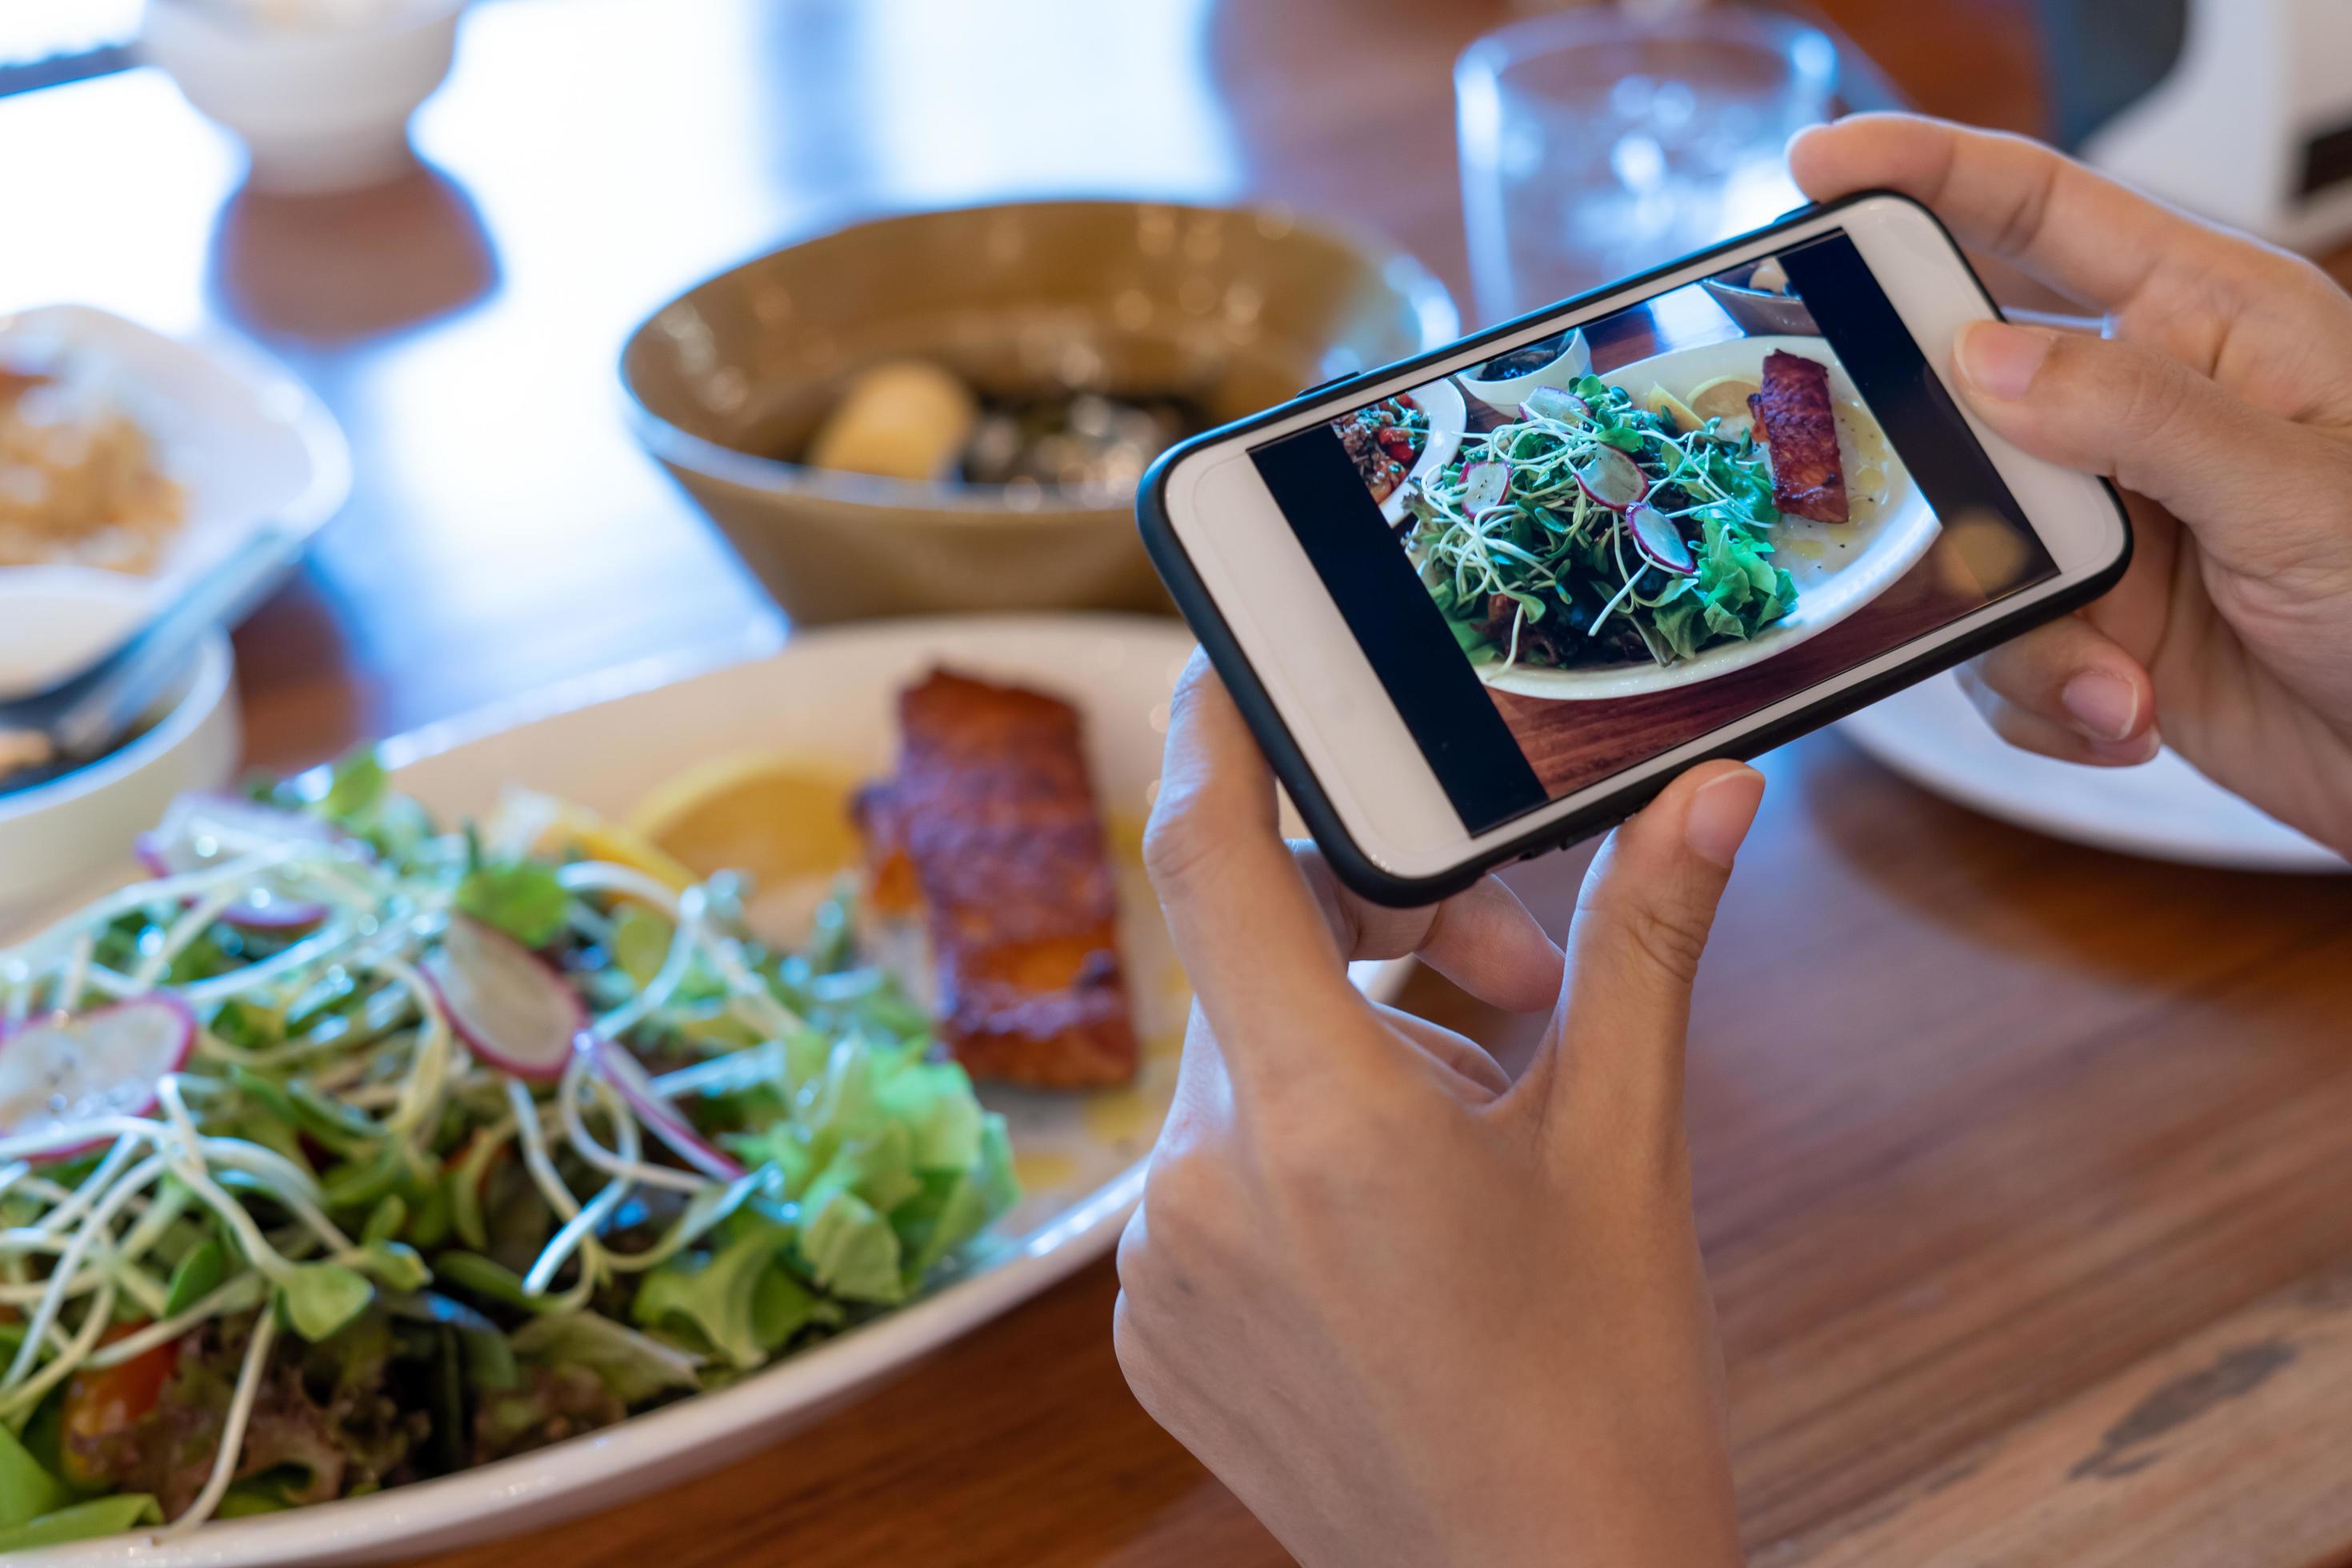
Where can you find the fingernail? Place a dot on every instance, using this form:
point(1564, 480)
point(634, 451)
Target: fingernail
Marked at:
point(1721, 814)
point(2000, 359)
point(2103, 706)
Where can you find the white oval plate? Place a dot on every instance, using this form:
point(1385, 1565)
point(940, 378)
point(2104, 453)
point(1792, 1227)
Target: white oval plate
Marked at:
point(249, 443)
point(829, 697)
point(1932, 735)
point(1839, 567)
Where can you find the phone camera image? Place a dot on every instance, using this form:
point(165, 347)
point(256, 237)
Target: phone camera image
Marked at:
point(1596, 546)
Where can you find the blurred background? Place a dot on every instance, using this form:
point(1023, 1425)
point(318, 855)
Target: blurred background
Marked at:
point(588, 160)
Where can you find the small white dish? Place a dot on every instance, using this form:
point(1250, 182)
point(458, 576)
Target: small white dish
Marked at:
point(828, 698)
point(1573, 363)
point(1932, 735)
point(1839, 567)
point(55, 835)
point(320, 95)
point(247, 442)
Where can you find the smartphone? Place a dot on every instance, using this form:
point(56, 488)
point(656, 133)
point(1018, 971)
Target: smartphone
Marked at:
point(1485, 603)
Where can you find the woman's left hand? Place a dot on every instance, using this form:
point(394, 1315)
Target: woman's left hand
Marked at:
point(1411, 1310)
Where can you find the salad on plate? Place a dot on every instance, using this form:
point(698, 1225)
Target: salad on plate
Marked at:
point(1591, 531)
point(353, 1148)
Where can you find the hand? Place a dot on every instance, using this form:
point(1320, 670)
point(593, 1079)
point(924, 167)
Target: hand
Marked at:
point(1414, 1313)
point(2220, 395)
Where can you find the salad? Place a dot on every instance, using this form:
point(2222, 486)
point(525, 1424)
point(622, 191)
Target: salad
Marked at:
point(1590, 532)
point(351, 1150)
point(1384, 440)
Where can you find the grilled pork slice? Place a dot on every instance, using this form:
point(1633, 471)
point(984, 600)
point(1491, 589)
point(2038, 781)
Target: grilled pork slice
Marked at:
point(991, 828)
point(1794, 413)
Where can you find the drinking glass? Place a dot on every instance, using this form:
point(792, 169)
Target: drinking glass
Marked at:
point(1600, 142)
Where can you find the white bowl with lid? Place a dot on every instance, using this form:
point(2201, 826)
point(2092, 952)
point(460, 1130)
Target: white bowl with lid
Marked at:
point(56, 837)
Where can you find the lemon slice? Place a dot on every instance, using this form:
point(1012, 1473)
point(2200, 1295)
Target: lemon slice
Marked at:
point(1673, 409)
point(529, 823)
point(1725, 397)
point(775, 818)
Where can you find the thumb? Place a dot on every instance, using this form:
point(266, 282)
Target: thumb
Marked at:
point(2236, 476)
point(1614, 1068)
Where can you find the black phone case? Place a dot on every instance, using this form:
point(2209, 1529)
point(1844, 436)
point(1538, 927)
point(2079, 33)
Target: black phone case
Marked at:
point(1347, 858)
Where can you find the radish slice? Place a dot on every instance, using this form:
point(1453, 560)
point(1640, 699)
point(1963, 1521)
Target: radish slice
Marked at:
point(1558, 403)
point(622, 1071)
point(510, 1007)
point(189, 839)
point(57, 1074)
point(1483, 485)
point(1660, 542)
point(1612, 478)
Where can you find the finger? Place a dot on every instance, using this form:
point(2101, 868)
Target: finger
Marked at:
point(2030, 731)
point(1613, 1067)
point(2079, 232)
point(2252, 487)
point(1482, 939)
point(1252, 941)
point(2074, 677)
point(1457, 1052)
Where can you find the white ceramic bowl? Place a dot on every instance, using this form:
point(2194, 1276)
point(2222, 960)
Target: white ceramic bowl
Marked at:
point(320, 107)
point(56, 835)
point(1573, 361)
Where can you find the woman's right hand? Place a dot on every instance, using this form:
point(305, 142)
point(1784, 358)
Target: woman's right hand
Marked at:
point(2221, 399)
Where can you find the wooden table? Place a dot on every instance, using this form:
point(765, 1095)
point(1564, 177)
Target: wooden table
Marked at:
point(2024, 1172)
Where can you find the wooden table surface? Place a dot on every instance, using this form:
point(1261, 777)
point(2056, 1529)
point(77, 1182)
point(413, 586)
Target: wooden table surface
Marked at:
point(2022, 1169)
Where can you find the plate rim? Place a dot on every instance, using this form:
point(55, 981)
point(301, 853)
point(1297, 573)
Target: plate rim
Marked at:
point(1874, 733)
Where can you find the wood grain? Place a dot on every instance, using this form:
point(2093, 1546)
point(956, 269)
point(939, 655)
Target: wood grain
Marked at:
point(2019, 1167)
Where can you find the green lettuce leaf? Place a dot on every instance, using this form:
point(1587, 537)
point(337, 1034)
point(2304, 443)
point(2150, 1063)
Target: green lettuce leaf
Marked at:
point(83, 1522)
point(731, 1299)
point(320, 1298)
point(27, 1490)
point(851, 1250)
point(197, 1275)
point(635, 1366)
point(521, 898)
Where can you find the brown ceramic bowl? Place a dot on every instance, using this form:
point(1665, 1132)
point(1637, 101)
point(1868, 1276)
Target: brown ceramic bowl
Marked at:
point(1235, 308)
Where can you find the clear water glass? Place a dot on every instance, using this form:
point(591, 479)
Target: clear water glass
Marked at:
point(1600, 142)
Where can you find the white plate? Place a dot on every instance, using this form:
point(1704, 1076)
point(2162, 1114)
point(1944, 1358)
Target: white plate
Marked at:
point(1448, 415)
point(1932, 735)
point(1839, 567)
point(248, 441)
point(828, 696)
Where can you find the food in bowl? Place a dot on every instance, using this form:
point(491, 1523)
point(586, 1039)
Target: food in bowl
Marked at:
point(913, 419)
point(1068, 320)
point(82, 482)
point(1384, 440)
point(351, 1149)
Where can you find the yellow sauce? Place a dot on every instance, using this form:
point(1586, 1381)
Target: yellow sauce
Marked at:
point(1041, 1169)
point(1121, 1118)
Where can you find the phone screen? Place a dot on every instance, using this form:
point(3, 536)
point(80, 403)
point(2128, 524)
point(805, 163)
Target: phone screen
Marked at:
point(1600, 545)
